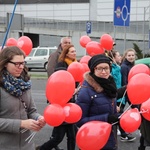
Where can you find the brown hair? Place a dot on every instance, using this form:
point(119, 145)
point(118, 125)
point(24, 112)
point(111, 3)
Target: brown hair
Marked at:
point(64, 52)
point(7, 55)
point(112, 54)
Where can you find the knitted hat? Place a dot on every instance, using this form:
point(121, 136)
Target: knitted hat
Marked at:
point(97, 59)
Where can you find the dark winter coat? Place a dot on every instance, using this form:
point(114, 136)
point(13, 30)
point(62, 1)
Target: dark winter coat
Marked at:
point(125, 69)
point(145, 129)
point(96, 106)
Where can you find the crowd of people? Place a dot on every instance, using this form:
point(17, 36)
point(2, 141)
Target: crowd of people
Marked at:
point(102, 97)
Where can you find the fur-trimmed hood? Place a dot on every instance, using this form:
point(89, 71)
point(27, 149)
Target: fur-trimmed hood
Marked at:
point(92, 83)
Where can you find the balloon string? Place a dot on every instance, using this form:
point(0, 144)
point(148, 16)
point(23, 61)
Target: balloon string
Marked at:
point(77, 89)
point(144, 111)
point(10, 22)
point(122, 98)
point(121, 115)
point(30, 137)
point(125, 111)
point(114, 123)
point(23, 130)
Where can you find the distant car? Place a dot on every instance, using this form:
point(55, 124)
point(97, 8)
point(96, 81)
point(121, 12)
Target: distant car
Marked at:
point(38, 57)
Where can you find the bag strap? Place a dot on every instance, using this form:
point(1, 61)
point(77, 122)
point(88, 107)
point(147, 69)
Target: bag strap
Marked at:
point(24, 104)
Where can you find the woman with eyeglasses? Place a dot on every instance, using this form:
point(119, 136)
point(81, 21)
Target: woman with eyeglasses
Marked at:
point(18, 114)
point(97, 97)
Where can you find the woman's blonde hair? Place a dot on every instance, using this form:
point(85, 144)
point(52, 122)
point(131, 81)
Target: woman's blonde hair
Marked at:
point(126, 52)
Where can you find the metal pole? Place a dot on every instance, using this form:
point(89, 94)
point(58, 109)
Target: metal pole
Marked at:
point(144, 33)
point(9, 25)
point(124, 38)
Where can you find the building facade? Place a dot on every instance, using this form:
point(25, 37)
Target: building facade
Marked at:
point(100, 13)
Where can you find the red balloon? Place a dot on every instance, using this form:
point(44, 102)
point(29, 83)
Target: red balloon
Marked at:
point(84, 40)
point(86, 67)
point(11, 42)
point(138, 88)
point(54, 115)
point(73, 113)
point(85, 59)
point(60, 87)
point(130, 120)
point(25, 44)
point(107, 42)
point(93, 48)
point(145, 109)
point(139, 68)
point(77, 70)
point(93, 135)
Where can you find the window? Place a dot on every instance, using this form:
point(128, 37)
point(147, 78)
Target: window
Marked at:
point(41, 52)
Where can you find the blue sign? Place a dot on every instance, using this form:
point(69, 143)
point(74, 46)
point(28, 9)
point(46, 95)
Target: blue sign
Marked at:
point(121, 12)
point(88, 27)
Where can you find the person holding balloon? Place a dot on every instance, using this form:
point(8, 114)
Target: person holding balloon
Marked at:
point(97, 98)
point(53, 60)
point(67, 56)
point(18, 113)
point(128, 61)
point(116, 73)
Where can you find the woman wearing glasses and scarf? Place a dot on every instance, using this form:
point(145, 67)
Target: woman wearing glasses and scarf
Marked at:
point(97, 97)
point(17, 109)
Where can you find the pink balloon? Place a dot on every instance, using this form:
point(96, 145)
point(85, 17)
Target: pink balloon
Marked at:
point(138, 88)
point(73, 112)
point(130, 120)
point(93, 135)
point(107, 42)
point(11, 42)
point(84, 40)
point(145, 109)
point(60, 87)
point(77, 70)
point(85, 59)
point(54, 115)
point(93, 48)
point(139, 68)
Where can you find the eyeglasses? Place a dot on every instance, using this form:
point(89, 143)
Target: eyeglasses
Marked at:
point(100, 69)
point(18, 64)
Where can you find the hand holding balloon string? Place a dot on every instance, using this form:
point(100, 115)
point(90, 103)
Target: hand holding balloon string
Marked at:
point(40, 124)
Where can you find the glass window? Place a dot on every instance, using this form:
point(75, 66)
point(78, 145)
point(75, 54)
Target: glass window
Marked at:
point(32, 52)
point(41, 52)
point(51, 50)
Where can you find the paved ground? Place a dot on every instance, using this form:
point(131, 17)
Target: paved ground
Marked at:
point(38, 90)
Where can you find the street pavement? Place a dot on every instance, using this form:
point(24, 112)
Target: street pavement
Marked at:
point(38, 93)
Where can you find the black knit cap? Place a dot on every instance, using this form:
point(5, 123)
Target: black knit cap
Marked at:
point(97, 59)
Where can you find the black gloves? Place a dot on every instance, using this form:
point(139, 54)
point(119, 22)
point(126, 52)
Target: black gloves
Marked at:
point(113, 118)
